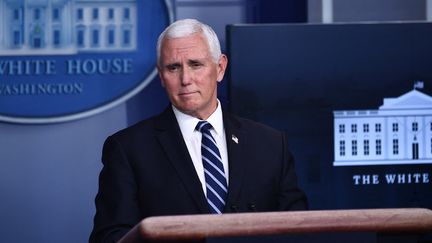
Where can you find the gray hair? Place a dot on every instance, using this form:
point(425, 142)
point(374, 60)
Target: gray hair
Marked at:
point(187, 27)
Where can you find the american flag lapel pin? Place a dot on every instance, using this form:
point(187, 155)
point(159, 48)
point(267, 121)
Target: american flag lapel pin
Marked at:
point(234, 138)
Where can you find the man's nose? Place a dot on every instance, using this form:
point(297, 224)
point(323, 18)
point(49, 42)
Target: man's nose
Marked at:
point(185, 76)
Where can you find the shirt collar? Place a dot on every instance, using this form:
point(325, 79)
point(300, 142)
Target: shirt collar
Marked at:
point(188, 123)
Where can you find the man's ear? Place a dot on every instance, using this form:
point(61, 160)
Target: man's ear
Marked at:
point(222, 65)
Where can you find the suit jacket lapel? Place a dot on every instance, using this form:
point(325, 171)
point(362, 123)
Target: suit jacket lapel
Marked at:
point(236, 141)
point(171, 140)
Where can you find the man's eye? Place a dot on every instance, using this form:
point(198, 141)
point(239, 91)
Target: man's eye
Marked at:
point(196, 65)
point(172, 68)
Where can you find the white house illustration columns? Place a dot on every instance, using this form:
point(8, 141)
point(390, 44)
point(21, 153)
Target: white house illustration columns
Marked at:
point(400, 127)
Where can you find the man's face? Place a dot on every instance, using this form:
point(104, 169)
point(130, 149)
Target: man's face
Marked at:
point(190, 75)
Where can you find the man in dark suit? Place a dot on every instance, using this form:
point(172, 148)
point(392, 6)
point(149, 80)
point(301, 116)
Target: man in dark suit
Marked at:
point(163, 166)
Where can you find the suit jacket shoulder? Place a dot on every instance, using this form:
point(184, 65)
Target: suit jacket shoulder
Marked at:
point(147, 172)
point(262, 174)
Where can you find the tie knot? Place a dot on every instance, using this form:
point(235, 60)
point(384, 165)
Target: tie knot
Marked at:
point(203, 126)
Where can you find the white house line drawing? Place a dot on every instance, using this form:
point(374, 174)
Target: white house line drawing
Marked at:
point(56, 27)
point(399, 132)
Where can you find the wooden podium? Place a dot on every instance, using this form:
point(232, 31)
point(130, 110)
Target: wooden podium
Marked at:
point(190, 227)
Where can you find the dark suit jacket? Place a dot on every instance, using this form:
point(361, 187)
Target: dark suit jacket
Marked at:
point(148, 172)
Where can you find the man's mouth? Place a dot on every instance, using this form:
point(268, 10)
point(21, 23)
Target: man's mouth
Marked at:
point(188, 93)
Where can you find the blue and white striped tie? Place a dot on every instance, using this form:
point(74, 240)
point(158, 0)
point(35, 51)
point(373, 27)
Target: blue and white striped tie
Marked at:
point(216, 183)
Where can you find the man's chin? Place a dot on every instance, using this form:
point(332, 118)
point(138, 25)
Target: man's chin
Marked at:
point(187, 108)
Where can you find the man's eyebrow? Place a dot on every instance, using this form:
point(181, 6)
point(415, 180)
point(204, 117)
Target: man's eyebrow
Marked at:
point(171, 65)
point(195, 61)
point(190, 61)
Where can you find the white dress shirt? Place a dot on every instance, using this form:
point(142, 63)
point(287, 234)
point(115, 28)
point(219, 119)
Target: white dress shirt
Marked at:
point(192, 139)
